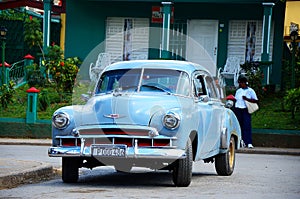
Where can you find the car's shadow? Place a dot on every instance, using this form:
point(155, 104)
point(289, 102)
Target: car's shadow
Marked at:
point(135, 178)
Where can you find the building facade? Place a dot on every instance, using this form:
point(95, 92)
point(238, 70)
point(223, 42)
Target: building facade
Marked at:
point(291, 16)
point(201, 31)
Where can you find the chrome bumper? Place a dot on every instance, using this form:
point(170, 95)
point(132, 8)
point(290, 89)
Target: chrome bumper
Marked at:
point(135, 149)
point(131, 152)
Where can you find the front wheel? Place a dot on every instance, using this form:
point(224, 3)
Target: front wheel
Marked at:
point(224, 163)
point(182, 171)
point(70, 169)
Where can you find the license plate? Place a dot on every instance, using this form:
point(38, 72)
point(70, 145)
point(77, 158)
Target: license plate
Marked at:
point(109, 150)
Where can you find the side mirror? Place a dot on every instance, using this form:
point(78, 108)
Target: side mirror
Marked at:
point(229, 103)
point(230, 99)
point(204, 98)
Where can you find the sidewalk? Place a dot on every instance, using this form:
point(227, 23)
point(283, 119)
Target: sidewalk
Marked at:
point(16, 172)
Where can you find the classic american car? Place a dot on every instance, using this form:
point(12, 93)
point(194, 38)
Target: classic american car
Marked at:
point(157, 114)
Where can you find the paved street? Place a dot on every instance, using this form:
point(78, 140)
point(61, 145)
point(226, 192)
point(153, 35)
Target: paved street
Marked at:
point(29, 153)
point(255, 176)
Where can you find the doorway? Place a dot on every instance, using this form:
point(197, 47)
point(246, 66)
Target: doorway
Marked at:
point(202, 43)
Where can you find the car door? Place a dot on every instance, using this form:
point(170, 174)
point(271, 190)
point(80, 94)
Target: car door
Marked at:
point(210, 110)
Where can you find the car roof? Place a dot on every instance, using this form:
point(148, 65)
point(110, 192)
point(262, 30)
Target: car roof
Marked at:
point(186, 66)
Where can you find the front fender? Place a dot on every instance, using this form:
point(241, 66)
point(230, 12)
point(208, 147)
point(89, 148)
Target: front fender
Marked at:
point(231, 128)
point(156, 121)
point(67, 131)
point(182, 132)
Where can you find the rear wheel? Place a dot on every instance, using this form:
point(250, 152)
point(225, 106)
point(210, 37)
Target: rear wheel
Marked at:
point(70, 169)
point(224, 163)
point(182, 171)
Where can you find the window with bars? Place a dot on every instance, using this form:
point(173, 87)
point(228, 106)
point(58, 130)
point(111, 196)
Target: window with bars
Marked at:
point(178, 40)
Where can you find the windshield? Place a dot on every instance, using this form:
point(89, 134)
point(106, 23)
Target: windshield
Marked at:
point(147, 80)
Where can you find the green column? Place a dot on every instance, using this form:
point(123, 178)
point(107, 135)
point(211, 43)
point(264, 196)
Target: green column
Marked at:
point(267, 21)
point(6, 74)
point(28, 61)
point(165, 54)
point(46, 24)
point(294, 46)
point(31, 112)
point(3, 69)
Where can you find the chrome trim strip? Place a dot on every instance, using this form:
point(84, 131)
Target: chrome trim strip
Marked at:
point(114, 126)
point(116, 136)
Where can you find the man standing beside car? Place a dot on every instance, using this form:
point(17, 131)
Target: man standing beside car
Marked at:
point(244, 93)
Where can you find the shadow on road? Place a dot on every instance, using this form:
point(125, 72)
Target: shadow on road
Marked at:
point(136, 178)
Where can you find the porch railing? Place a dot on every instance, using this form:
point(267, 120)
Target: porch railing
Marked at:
point(17, 73)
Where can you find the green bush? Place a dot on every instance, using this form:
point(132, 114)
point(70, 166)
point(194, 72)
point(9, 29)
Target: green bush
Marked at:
point(62, 71)
point(254, 74)
point(34, 76)
point(7, 94)
point(292, 100)
point(44, 100)
point(33, 35)
point(287, 74)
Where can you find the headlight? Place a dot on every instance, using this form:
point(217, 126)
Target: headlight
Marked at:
point(171, 120)
point(61, 120)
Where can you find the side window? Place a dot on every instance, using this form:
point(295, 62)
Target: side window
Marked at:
point(211, 91)
point(199, 86)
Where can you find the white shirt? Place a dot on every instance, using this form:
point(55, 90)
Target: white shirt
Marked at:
point(248, 92)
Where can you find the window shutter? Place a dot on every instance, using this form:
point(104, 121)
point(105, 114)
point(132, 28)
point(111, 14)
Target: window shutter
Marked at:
point(238, 36)
point(237, 39)
point(140, 39)
point(115, 38)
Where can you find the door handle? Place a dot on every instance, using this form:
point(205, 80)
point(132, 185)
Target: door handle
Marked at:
point(215, 51)
point(210, 103)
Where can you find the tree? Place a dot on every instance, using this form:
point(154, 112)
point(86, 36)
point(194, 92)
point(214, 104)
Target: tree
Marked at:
point(33, 34)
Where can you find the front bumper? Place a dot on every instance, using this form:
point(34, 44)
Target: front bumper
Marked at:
point(133, 150)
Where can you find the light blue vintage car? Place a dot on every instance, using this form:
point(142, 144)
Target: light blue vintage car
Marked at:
point(159, 114)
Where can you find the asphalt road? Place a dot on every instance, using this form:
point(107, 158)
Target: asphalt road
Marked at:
point(29, 153)
point(255, 176)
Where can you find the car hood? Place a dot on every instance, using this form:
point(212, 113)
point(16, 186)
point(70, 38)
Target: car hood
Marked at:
point(131, 108)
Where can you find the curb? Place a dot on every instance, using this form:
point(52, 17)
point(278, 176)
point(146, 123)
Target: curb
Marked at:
point(38, 172)
point(270, 151)
point(37, 142)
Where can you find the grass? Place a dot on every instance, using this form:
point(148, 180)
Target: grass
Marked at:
point(271, 115)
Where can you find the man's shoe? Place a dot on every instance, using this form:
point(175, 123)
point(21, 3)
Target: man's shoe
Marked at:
point(250, 146)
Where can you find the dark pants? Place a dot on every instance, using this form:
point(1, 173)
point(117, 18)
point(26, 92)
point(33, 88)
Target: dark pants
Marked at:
point(245, 122)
